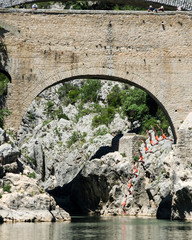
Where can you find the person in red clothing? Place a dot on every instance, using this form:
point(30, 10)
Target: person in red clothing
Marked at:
point(150, 138)
point(156, 135)
point(163, 134)
point(141, 157)
point(135, 170)
point(130, 185)
point(124, 204)
point(141, 160)
point(146, 148)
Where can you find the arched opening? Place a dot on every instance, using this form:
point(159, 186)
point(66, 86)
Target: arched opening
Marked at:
point(151, 97)
point(77, 189)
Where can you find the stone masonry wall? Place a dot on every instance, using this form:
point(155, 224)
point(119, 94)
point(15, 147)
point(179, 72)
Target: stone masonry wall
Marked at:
point(129, 144)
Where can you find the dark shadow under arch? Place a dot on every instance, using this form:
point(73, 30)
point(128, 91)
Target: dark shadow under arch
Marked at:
point(122, 80)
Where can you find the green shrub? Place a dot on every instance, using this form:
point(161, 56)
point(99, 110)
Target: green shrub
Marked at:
point(62, 115)
point(134, 104)
point(0, 195)
point(3, 84)
point(49, 108)
point(7, 188)
point(114, 97)
point(135, 158)
point(59, 134)
point(68, 93)
point(89, 91)
point(32, 175)
point(101, 132)
point(46, 122)
point(105, 117)
point(75, 137)
point(30, 159)
point(82, 111)
point(31, 116)
point(123, 154)
point(73, 95)
point(3, 114)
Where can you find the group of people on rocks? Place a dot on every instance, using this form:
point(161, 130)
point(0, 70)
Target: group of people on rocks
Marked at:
point(151, 9)
point(134, 171)
point(161, 9)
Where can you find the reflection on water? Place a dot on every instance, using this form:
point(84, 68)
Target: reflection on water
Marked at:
point(115, 228)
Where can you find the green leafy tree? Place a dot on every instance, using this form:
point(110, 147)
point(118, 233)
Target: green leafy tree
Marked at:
point(69, 93)
point(3, 84)
point(105, 117)
point(89, 91)
point(114, 97)
point(134, 104)
point(3, 114)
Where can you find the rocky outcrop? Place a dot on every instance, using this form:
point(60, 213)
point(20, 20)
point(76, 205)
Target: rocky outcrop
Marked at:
point(23, 200)
point(102, 184)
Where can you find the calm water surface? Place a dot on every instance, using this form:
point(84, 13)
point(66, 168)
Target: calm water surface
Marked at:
point(114, 228)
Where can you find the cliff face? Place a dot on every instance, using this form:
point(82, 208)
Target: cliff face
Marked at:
point(43, 175)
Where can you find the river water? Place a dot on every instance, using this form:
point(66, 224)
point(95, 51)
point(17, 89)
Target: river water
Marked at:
point(109, 228)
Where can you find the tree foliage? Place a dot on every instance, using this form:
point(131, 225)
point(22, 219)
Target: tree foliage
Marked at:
point(3, 84)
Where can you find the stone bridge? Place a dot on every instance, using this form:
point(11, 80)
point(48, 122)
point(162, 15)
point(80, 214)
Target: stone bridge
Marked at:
point(186, 4)
point(148, 50)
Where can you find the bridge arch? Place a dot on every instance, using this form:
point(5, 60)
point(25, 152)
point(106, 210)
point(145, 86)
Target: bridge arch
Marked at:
point(96, 73)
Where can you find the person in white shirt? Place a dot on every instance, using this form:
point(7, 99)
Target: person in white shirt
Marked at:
point(34, 7)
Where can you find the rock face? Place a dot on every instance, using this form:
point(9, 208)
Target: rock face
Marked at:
point(47, 148)
point(21, 199)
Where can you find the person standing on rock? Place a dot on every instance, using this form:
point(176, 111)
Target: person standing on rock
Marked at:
point(130, 185)
point(146, 148)
point(141, 157)
point(155, 132)
point(150, 138)
point(163, 134)
point(135, 170)
point(124, 204)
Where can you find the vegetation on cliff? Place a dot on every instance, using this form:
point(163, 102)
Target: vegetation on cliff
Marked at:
point(133, 103)
point(3, 91)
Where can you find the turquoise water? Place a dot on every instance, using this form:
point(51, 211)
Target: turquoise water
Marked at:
point(113, 228)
